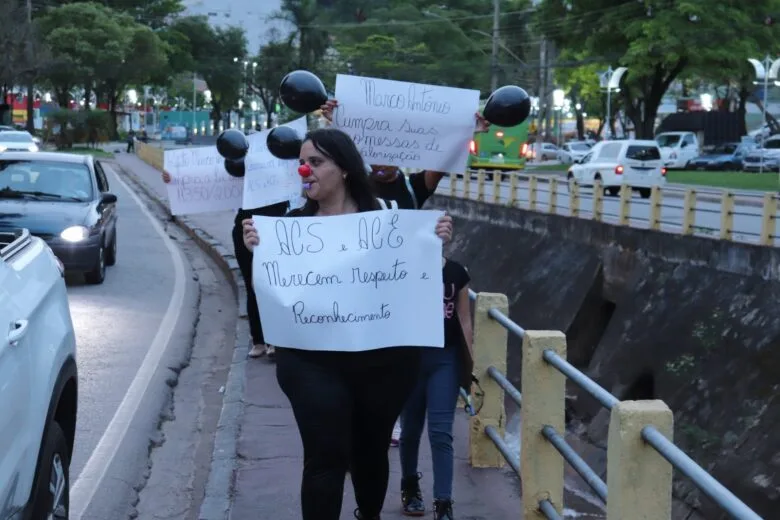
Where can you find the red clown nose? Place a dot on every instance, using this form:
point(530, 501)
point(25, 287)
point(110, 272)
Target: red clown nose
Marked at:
point(304, 170)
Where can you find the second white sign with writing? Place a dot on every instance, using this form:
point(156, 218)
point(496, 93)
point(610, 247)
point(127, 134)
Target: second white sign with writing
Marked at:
point(199, 182)
point(408, 125)
point(351, 282)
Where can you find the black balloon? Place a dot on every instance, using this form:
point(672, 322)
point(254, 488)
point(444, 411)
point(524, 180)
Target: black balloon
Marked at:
point(236, 168)
point(232, 144)
point(507, 106)
point(284, 143)
point(302, 91)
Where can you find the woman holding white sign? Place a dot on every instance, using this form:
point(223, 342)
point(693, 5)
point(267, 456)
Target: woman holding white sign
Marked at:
point(345, 403)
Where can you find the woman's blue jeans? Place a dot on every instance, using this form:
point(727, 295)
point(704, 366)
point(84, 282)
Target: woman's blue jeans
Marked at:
point(437, 393)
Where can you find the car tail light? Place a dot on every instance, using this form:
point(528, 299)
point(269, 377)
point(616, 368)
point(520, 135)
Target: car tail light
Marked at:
point(473, 147)
point(618, 170)
point(524, 150)
point(663, 172)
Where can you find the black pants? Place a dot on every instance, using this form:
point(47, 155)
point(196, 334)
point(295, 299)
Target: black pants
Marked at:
point(244, 259)
point(345, 405)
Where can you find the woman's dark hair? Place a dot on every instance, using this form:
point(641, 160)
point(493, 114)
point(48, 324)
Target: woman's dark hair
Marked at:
point(340, 148)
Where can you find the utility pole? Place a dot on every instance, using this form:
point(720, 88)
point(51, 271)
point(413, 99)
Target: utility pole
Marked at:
point(494, 57)
point(542, 104)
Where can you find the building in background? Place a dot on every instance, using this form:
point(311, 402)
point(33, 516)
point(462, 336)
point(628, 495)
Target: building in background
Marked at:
point(254, 16)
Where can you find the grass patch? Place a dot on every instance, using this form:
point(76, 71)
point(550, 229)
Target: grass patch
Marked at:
point(83, 150)
point(728, 180)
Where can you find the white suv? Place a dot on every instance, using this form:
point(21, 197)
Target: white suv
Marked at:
point(634, 162)
point(38, 381)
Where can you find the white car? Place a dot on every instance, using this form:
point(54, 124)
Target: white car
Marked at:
point(573, 151)
point(634, 162)
point(18, 141)
point(38, 380)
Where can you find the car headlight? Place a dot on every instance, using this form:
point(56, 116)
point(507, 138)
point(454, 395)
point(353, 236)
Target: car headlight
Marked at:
point(3, 148)
point(75, 234)
point(32, 148)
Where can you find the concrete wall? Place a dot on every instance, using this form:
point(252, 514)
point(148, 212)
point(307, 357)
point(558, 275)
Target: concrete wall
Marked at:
point(692, 321)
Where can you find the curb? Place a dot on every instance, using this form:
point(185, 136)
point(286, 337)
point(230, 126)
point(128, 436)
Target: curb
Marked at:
point(217, 497)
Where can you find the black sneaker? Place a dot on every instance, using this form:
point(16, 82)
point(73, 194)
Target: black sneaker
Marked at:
point(411, 496)
point(361, 517)
point(442, 510)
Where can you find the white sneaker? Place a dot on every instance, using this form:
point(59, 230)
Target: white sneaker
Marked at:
point(270, 350)
point(257, 351)
point(395, 439)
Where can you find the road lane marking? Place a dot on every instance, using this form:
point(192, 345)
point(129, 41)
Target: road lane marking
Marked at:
point(94, 471)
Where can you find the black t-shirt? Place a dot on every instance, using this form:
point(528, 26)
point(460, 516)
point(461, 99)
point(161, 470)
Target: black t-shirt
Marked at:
point(398, 190)
point(274, 210)
point(455, 278)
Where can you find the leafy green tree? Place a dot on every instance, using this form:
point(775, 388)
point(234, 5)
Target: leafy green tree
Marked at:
point(656, 40)
point(381, 56)
point(273, 62)
point(217, 56)
point(312, 41)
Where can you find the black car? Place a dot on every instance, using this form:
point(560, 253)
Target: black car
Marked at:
point(63, 199)
point(726, 156)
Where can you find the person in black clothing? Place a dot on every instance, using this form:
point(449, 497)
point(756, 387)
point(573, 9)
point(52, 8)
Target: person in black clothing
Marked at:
point(390, 183)
point(345, 403)
point(436, 395)
point(244, 259)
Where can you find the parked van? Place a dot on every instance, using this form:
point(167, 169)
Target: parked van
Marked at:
point(634, 162)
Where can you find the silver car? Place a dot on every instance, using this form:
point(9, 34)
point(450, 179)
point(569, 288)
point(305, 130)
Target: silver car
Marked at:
point(17, 141)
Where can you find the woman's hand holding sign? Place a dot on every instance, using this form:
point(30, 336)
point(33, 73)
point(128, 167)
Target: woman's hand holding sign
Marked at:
point(251, 238)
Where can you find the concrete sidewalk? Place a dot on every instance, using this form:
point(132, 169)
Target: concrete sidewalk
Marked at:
point(263, 464)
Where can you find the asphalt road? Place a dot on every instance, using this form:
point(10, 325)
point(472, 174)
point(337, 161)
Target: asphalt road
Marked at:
point(134, 335)
point(747, 218)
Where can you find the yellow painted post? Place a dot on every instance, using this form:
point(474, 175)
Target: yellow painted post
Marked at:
point(544, 395)
point(532, 192)
point(655, 208)
point(454, 184)
point(574, 199)
point(689, 212)
point(639, 479)
point(598, 201)
point(512, 202)
point(467, 185)
point(769, 220)
point(497, 176)
point(481, 185)
point(490, 341)
point(726, 215)
point(553, 207)
point(625, 205)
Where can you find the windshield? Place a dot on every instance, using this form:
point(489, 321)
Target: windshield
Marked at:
point(773, 144)
point(643, 153)
point(15, 137)
point(45, 179)
point(579, 147)
point(667, 139)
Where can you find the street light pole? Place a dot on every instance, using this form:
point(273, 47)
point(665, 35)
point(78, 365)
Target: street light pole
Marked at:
point(494, 56)
point(766, 71)
point(609, 104)
point(194, 102)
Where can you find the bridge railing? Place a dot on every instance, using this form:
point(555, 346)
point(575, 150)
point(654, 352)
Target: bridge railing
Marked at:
point(641, 456)
point(721, 214)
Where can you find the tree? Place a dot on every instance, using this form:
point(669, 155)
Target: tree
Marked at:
point(655, 39)
point(213, 52)
point(312, 42)
point(273, 61)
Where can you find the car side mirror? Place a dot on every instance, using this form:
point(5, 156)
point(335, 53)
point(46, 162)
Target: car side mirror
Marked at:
point(108, 198)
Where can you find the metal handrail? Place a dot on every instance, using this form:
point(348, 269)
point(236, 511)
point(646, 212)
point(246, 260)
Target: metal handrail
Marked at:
point(667, 449)
point(703, 480)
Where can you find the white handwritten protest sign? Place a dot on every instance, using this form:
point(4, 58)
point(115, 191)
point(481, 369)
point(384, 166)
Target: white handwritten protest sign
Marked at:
point(269, 180)
point(350, 282)
point(410, 125)
point(199, 182)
